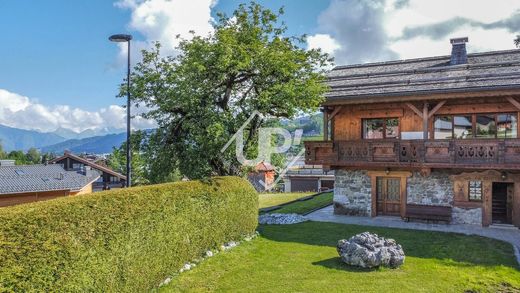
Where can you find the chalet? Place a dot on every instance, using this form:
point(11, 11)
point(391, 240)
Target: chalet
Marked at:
point(30, 183)
point(108, 178)
point(262, 176)
point(434, 138)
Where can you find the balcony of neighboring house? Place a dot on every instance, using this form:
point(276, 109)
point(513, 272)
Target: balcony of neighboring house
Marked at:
point(465, 141)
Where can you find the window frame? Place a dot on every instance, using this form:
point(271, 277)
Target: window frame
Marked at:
point(481, 191)
point(384, 127)
point(474, 125)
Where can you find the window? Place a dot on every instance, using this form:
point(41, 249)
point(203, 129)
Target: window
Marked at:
point(380, 128)
point(503, 125)
point(443, 127)
point(485, 126)
point(506, 126)
point(462, 127)
point(475, 190)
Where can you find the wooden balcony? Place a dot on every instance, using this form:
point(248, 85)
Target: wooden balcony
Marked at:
point(461, 154)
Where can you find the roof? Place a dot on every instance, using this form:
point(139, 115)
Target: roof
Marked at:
point(497, 70)
point(40, 178)
point(263, 166)
point(88, 163)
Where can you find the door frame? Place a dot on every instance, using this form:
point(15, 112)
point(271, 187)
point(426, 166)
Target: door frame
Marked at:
point(460, 183)
point(402, 175)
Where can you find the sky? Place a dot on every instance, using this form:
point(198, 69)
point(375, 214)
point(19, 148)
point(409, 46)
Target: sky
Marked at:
point(58, 69)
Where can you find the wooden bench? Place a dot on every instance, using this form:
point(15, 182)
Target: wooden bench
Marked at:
point(428, 213)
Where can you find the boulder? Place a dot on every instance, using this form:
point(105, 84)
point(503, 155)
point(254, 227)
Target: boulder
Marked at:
point(368, 250)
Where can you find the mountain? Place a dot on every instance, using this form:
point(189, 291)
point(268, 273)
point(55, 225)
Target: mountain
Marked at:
point(69, 134)
point(19, 139)
point(97, 144)
point(66, 133)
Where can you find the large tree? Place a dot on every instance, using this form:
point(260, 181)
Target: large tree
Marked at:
point(202, 96)
point(517, 41)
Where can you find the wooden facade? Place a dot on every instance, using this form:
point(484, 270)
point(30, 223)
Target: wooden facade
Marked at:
point(490, 160)
point(28, 197)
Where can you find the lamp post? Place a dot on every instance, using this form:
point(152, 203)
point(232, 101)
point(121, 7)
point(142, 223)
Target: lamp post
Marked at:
point(119, 38)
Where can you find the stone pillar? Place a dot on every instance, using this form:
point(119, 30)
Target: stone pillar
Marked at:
point(352, 193)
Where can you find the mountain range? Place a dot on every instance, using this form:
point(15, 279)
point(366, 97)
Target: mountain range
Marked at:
point(92, 145)
point(90, 140)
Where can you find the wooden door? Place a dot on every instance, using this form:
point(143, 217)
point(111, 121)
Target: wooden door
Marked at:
point(388, 194)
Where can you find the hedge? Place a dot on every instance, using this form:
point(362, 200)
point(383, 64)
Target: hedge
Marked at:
point(124, 240)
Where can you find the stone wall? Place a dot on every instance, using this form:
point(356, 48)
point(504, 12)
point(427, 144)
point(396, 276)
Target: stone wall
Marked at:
point(435, 189)
point(466, 216)
point(352, 193)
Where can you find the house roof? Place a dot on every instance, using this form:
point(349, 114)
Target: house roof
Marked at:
point(39, 178)
point(263, 166)
point(497, 70)
point(88, 163)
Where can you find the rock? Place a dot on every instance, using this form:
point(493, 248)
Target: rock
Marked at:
point(281, 219)
point(166, 282)
point(368, 250)
point(209, 253)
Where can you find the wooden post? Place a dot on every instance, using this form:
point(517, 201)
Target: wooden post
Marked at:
point(425, 121)
point(325, 124)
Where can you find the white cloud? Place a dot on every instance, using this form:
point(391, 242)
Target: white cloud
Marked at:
point(324, 42)
point(22, 112)
point(163, 20)
point(379, 30)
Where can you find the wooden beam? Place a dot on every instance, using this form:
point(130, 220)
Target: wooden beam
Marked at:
point(514, 102)
point(325, 125)
point(436, 108)
point(336, 111)
point(425, 120)
point(414, 109)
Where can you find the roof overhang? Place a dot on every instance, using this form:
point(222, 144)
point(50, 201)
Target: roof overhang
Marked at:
point(503, 91)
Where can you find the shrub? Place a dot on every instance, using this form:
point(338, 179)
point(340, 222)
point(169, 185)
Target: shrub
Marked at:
point(120, 240)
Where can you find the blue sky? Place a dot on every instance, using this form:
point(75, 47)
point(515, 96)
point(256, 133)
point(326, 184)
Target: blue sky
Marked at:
point(59, 70)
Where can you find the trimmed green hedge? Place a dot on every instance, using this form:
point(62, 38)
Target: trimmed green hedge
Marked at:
point(120, 240)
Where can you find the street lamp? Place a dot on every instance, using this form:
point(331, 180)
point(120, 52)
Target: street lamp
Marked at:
point(119, 38)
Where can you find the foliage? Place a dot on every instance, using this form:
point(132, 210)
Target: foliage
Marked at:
point(302, 207)
point(117, 160)
point(32, 156)
point(517, 41)
point(124, 240)
point(303, 258)
point(203, 95)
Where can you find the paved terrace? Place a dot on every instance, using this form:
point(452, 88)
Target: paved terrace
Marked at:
point(511, 235)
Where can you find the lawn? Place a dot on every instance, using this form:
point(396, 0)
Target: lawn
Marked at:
point(274, 199)
point(303, 258)
point(302, 207)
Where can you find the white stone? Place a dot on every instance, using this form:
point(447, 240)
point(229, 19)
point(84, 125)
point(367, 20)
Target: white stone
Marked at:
point(281, 219)
point(209, 253)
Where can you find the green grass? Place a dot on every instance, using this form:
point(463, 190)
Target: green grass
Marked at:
point(302, 207)
point(274, 199)
point(303, 258)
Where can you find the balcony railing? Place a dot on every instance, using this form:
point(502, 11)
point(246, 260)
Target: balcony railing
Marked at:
point(472, 154)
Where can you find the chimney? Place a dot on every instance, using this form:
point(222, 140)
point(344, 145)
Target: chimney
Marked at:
point(458, 51)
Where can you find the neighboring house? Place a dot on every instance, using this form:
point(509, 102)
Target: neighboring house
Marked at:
point(262, 176)
point(302, 178)
point(425, 135)
point(30, 183)
point(108, 178)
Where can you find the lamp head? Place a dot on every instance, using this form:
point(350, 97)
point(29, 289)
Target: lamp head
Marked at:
point(119, 38)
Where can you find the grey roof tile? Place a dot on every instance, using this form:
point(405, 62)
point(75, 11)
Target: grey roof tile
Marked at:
point(39, 178)
point(490, 70)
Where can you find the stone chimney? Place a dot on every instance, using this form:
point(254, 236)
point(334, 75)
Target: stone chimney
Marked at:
point(458, 51)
